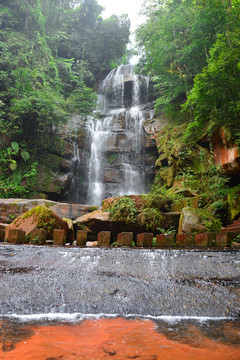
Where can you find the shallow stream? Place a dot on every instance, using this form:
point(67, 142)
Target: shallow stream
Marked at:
point(86, 303)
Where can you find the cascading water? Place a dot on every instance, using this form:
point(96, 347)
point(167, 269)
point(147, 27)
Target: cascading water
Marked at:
point(117, 165)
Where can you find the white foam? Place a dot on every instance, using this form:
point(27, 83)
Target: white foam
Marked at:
point(76, 317)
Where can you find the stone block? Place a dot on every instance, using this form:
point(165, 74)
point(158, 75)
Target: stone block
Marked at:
point(125, 239)
point(81, 238)
point(160, 240)
point(38, 237)
point(15, 236)
point(145, 240)
point(59, 237)
point(205, 239)
point(185, 240)
point(166, 240)
point(104, 238)
point(225, 239)
point(2, 235)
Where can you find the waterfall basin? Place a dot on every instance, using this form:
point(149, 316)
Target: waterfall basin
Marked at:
point(131, 302)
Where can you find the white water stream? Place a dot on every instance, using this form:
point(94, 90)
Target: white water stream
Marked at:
point(116, 164)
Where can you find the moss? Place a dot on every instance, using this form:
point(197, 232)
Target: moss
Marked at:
point(203, 217)
point(45, 216)
point(111, 158)
point(167, 175)
point(233, 198)
point(93, 208)
point(150, 219)
point(123, 210)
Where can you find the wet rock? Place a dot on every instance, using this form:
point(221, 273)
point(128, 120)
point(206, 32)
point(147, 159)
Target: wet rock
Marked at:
point(59, 237)
point(110, 351)
point(113, 176)
point(185, 240)
point(70, 232)
point(119, 122)
point(125, 239)
point(38, 237)
point(198, 221)
point(10, 209)
point(224, 239)
point(104, 238)
point(152, 126)
point(205, 239)
point(15, 236)
point(96, 221)
point(39, 217)
point(81, 238)
point(145, 240)
point(166, 240)
point(226, 154)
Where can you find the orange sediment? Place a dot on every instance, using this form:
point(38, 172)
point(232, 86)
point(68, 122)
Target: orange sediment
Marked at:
point(115, 339)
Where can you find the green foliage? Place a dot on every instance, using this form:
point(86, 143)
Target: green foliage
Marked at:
point(112, 157)
point(151, 219)
point(170, 230)
point(215, 99)
point(45, 216)
point(35, 240)
point(52, 52)
point(175, 43)
point(123, 210)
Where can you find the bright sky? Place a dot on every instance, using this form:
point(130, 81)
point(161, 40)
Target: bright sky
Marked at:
point(118, 7)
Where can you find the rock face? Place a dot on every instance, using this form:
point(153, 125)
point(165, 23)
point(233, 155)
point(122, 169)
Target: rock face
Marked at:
point(40, 217)
point(194, 220)
point(10, 209)
point(122, 154)
point(226, 154)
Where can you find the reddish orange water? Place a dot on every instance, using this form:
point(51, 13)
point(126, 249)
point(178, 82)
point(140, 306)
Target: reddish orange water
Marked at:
point(115, 339)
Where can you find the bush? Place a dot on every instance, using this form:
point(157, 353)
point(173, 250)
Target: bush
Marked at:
point(124, 210)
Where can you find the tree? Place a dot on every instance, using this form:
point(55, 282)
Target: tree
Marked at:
point(175, 42)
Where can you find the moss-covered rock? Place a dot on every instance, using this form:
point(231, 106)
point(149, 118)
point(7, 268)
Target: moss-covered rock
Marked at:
point(40, 217)
point(194, 220)
point(234, 202)
point(53, 175)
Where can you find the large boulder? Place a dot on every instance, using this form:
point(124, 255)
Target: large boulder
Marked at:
point(10, 209)
point(40, 217)
point(141, 201)
point(94, 222)
point(194, 220)
point(226, 154)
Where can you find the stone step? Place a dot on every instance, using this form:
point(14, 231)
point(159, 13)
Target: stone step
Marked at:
point(232, 229)
point(233, 226)
point(236, 222)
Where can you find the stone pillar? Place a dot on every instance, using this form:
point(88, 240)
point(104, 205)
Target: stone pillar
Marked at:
point(38, 237)
point(125, 239)
point(224, 239)
point(81, 238)
point(15, 236)
point(104, 238)
point(59, 237)
point(166, 240)
point(2, 235)
point(145, 240)
point(185, 240)
point(205, 239)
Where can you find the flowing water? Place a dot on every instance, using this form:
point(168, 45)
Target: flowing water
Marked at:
point(71, 303)
point(117, 165)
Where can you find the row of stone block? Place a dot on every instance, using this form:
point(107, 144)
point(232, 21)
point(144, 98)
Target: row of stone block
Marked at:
point(39, 237)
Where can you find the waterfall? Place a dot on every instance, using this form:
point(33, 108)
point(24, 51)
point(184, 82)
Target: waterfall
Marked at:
point(117, 165)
